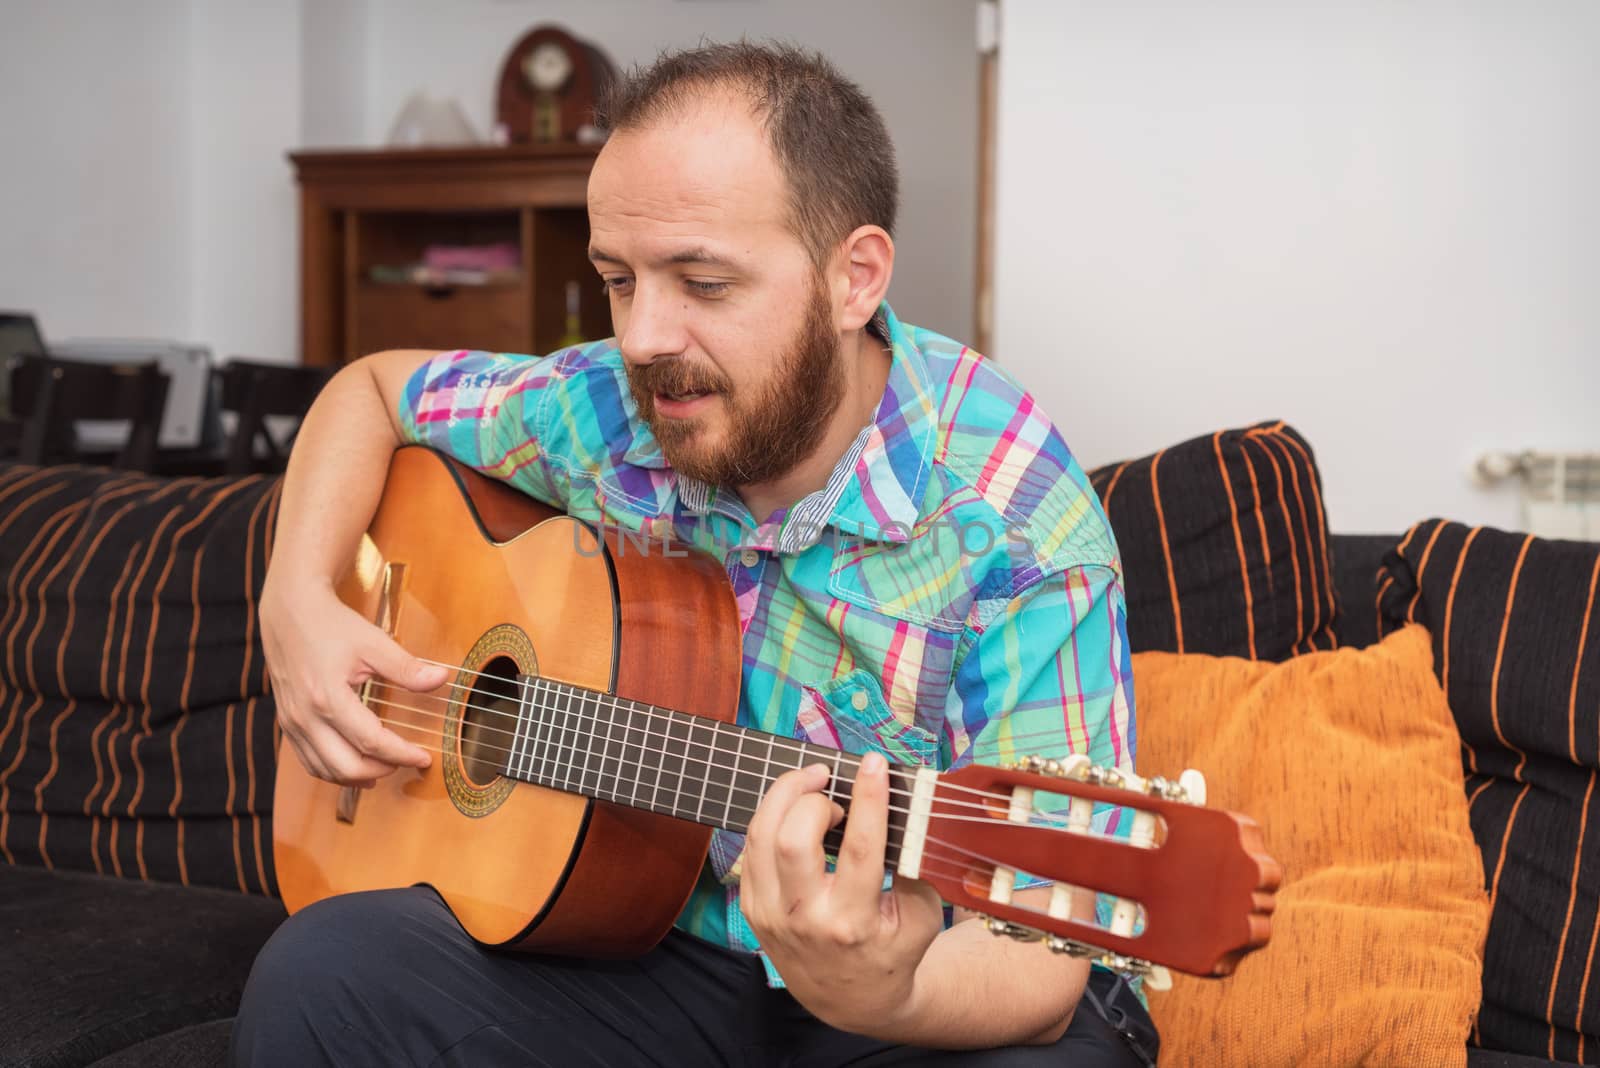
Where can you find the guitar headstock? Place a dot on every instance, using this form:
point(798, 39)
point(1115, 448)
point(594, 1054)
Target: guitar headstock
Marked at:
point(1192, 887)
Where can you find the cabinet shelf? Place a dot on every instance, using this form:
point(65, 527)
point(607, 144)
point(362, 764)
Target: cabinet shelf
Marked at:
point(361, 210)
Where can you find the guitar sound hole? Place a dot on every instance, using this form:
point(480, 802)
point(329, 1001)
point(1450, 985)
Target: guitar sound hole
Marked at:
point(489, 720)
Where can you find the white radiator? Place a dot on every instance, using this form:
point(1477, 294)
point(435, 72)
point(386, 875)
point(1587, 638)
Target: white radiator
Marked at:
point(1560, 491)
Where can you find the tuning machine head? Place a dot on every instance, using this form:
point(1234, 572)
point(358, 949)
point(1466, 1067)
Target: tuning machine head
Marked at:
point(1158, 977)
point(1190, 787)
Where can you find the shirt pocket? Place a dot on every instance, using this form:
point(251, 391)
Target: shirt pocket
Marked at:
point(908, 582)
point(849, 713)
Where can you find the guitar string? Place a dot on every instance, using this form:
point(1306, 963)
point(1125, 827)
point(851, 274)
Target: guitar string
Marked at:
point(1045, 819)
point(574, 784)
point(583, 731)
point(609, 701)
point(652, 735)
point(933, 840)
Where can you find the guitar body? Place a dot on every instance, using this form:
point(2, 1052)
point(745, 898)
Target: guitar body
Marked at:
point(468, 572)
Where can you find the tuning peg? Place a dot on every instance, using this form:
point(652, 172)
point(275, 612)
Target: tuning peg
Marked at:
point(1158, 977)
point(1072, 947)
point(1155, 975)
point(1193, 784)
point(1011, 930)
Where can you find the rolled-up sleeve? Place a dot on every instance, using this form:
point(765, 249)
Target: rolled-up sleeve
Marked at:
point(1049, 675)
point(484, 409)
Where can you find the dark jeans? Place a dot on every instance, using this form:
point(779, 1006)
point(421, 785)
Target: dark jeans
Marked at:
point(390, 978)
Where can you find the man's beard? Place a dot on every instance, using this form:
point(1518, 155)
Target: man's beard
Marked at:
point(768, 433)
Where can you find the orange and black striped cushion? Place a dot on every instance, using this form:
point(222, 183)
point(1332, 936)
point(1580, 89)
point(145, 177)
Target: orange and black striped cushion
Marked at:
point(1224, 545)
point(1517, 648)
point(136, 734)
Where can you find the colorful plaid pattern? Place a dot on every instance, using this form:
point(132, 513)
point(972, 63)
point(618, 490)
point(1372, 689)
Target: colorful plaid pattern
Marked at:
point(953, 594)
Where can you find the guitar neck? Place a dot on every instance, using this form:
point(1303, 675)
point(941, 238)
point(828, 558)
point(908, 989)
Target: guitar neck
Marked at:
point(587, 742)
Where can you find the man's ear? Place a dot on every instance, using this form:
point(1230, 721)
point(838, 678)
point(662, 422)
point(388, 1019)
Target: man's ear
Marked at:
point(867, 257)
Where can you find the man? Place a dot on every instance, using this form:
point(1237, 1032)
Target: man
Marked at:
point(760, 400)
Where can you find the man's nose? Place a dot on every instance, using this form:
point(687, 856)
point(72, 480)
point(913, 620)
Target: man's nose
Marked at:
point(655, 326)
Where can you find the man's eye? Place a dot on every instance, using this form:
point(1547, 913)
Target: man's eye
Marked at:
point(707, 289)
point(617, 284)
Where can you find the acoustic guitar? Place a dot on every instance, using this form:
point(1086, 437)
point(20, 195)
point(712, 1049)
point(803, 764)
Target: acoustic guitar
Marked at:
point(586, 747)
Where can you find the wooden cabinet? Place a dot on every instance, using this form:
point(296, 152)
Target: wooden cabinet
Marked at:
point(367, 215)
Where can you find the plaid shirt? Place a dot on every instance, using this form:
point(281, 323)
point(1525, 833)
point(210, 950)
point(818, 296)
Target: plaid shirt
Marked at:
point(953, 594)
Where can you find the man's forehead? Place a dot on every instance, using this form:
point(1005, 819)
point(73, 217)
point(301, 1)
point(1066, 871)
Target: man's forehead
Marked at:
point(700, 166)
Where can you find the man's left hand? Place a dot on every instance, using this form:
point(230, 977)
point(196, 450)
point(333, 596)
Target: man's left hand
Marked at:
point(847, 950)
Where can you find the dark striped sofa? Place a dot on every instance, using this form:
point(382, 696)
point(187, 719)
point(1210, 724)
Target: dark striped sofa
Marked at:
point(136, 763)
point(137, 736)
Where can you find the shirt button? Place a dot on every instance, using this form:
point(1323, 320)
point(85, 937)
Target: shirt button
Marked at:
point(858, 700)
point(749, 558)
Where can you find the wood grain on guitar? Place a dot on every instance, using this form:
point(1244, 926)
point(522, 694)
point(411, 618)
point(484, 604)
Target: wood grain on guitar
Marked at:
point(587, 745)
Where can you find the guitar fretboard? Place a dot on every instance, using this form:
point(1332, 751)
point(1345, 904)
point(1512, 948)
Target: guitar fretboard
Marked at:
point(587, 742)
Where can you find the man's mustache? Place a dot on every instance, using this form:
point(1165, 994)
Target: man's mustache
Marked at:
point(676, 376)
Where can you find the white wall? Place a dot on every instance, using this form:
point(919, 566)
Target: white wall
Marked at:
point(245, 113)
point(95, 182)
point(146, 190)
point(1379, 220)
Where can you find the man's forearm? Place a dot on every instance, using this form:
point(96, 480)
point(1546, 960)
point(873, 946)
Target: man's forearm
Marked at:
point(336, 471)
point(975, 991)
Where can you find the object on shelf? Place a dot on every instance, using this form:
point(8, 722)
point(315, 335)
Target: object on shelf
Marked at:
point(548, 87)
point(426, 120)
point(419, 274)
point(500, 256)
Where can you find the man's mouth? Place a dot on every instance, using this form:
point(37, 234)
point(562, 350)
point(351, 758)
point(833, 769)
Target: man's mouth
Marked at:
point(682, 405)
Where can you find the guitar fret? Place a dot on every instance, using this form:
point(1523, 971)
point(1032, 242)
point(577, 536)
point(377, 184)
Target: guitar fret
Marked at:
point(708, 762)
point(522, 751)
point(608, 779)
point(528, 766)
point(677, 748)
point(569, 739)
point(659, 758)
point(591, 709)
point(733, 778)
point(580, 740)
point(547, 732)
point(752, 772)
point(636, 761)
point(518, 733)
point(586, 724)
point(585, 739)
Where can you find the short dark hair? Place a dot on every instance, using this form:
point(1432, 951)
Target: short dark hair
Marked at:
point(827, 136)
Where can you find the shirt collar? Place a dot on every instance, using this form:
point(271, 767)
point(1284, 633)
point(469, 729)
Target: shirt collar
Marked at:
point(875, 491)
point(884, 499)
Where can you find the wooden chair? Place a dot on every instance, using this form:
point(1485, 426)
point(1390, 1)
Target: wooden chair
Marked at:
point(50, 396)
point(257, 391)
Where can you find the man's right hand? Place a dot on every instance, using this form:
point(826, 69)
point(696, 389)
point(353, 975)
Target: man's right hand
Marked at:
point(318, 652)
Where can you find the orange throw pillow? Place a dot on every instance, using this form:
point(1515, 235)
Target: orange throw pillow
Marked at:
point(1351, 763)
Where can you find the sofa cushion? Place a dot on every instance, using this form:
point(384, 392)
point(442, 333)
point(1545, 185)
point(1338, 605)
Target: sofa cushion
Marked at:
point(1517, 646)
point(202, 1045)
point(136, 732)
point(94, 965)
point(1357, 563)
point(1224, 545)
point(1349, 762)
